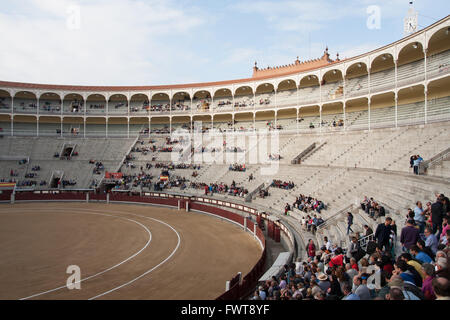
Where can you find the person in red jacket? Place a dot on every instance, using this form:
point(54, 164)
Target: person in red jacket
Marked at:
point(311, 249)
point(338, 259)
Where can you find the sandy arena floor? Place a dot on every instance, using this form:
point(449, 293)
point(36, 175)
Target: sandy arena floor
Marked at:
point(123, 251)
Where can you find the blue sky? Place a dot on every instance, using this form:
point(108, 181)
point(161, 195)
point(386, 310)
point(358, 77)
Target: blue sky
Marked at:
point(152, 42)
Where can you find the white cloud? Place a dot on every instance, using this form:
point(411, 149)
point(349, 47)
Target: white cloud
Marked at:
point(119, 42)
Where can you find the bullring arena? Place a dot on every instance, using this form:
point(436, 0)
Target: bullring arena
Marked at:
point(239, 189)
point(123, 251)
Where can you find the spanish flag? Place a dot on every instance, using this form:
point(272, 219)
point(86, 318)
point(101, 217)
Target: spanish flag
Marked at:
point(8, 185)
point(163, 178)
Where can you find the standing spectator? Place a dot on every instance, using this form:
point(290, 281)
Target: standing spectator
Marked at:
point(427, 288)
point(419, 216)
point(349, 222)
point(418, 159)
point(383, 234)
point(311, 249)
point(327, 243)
point(369, 230)
point(431, 240)
point(409, 235)
point(437, 212)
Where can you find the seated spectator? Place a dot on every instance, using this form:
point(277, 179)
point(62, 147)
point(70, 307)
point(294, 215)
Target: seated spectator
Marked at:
point(360, 288)
point(348, 294)
point(397, 282)
point(442, 269)
point(441, 288)
point(427, 288)
point(419, 255)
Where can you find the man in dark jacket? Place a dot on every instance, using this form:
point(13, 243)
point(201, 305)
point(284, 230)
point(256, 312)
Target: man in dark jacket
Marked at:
point(409, 235)
point(383, 233)
point(437, 212)
point(349, 222)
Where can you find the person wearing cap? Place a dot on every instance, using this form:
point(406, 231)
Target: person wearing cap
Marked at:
point(323, 283)
point(397, 282)
point(409, 235)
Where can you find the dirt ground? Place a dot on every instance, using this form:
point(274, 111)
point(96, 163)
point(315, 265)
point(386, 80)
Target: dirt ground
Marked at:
point(123, 251)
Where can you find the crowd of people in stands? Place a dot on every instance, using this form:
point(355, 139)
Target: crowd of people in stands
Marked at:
point(308, 204)
point(237, 167)
point(419, 272)
point(282, 184)
point(372, 208)
point(220, 188)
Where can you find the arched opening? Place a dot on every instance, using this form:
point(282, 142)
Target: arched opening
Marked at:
point(118, 127)
point(438, 53)
point(382, 73)
point(265, 95)
point(411, 64)
point(181, 102)
point(333, 115)
point(332, 85)
point(73, 103)
point(243, 121)
point(438, 108)
point(287, 93)
point(356, 80)
point(50, 126)
point(118, 104)
point(160, 125)
point(356, 114)
point(243, 98)
point(382, 110)
point(96, 104)
point(139, 104)
point(5, 101)
point(74, 127)
point(5, 125)
point(287, 119)
point(202, 101)
point(309, 118)
point(411, 105)
point(25, 102)
point(204, 121)
point(309, 90)
point(223, 122)
point(265, 120)
point(50, 103)
point(223, 100)
point(160, 103)
point(95, 127)
point(25, 125)
point(181, 122)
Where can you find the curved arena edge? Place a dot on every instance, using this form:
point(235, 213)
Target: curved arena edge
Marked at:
point(240, 286)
